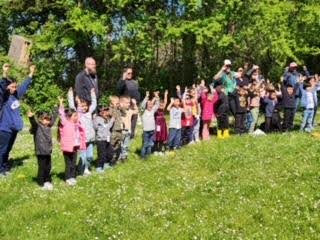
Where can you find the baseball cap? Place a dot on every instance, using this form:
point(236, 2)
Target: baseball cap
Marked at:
point(293, 64)
point(227, 62)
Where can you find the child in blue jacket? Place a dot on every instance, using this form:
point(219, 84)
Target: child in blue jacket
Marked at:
point(10, 119)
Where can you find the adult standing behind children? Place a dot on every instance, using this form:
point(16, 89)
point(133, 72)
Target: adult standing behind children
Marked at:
point(291, 78)
point(86, 80)
point(228, 80)
point(128, 86)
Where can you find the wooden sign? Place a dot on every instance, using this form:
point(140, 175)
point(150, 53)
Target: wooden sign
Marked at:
point(19, 50)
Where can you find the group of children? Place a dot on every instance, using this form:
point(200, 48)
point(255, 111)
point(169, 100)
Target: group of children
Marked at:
point(191, 113)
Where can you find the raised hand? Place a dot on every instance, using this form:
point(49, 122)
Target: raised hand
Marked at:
point(156, 94)
point(61, 101)
point(32, 70)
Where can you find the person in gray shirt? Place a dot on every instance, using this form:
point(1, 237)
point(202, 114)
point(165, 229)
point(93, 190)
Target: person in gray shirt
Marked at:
point(102, 125)
point(149, 108)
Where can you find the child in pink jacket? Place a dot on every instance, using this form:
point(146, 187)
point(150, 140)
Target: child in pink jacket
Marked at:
point(72, 138)
point(208, 100)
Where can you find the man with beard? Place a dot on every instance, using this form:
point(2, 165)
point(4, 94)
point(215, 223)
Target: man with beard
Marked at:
point(86, 80)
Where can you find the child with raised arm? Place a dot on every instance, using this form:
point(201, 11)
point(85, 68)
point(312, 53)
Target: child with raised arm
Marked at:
point(241, 110)
point(187, 121)
point(161, 137)
point(11, 121)
point(85, 110)
point(208, 101)
point(272, 116)
point(254, 105)
point(42, 136)
point(149, 108)
point(175, 123)
point(117, 129)
point(128, 107)
point(103, 124)
point(222, 106)
point(72, 138)
point(196, 111)
point(308, 104)
point(289, 105)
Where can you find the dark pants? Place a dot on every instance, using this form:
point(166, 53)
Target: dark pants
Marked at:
point(44, 169)
point(160, 146)
point(240, 127)
point(70, 161)
point(223, 121)
point(134, 119)
point(148, 143)
point(314, 115)
point(105, 153)
point(288, 115)
point(6, 142)
point(186, 135)
point(174, 138)
point(273, 123)
point(232, 103)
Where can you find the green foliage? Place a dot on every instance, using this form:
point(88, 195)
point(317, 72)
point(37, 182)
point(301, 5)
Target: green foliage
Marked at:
point(16, 72)
point(43, 94)
point(168, 42)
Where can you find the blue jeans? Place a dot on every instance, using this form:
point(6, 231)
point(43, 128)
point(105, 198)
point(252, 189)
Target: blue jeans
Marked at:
point(186, 135)
point(148, 143)
point(7, 140)
point(307, 120)
point(86, 157)
point(249, 120)
point(174, 138)
point(297, 102)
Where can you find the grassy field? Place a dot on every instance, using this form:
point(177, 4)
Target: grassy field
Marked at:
point(240, 188)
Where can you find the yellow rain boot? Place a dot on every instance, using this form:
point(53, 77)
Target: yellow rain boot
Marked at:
point(226, 134)
point(219, 135)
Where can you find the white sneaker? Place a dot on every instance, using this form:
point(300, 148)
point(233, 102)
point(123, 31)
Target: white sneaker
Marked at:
point(47, 186)
point(100, 170)
point(71, 182)
point(156, 153)
point(86, 172)
point(106, 166)
point(74, 181)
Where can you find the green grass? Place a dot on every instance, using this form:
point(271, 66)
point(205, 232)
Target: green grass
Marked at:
point(241, 188)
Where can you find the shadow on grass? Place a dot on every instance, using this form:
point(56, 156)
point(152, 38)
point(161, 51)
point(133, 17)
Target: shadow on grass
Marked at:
point(17, 162)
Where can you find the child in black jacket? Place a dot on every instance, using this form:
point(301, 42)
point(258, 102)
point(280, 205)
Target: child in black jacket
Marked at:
point(222, 109)
point(289, 105)
point(41, 131)
point(241, 110)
